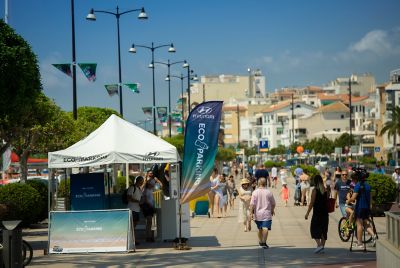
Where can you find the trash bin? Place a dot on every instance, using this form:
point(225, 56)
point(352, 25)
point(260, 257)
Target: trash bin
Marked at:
point(12, 244)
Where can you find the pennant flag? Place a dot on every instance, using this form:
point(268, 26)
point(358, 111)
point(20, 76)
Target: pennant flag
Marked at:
point(112, 89)
point(179, 130)
point(133, 87)
point(162, 114)
point(89, 70)
point(148, 111)
point(176, 117)
point(200, 149)
point(64, 67)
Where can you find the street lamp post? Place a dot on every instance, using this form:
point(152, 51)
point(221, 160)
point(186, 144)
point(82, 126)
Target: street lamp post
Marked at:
point(74, 98)
point(183, 104)
point(186, 65)
point(292, 119)
point(169, 64)
point(171, 49)
point(350, 142)
point(142, 16)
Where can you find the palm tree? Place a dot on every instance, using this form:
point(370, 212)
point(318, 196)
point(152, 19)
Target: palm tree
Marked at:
point(393, 129)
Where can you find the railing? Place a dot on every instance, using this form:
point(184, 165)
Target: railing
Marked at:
point(393, 228)
point(157, 195)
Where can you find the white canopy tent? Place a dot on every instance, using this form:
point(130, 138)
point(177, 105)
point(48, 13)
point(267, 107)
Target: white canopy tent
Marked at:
point(116, 141)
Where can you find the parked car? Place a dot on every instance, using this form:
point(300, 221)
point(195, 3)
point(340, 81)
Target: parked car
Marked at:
point(323, 161)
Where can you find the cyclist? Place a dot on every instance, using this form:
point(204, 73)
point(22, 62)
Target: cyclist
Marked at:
point(362, 196)
point(342, 188)
point(349, 207)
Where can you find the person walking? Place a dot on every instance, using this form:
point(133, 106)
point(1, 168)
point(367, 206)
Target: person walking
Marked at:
point(274, 175)
point(231, 187)
point(262, 173)
point(134, 195)
point(342, 187)
point(285, 193)
point(320, 217)
point(244, 206)
point(211, 194)
point(305, 188)
point(221, 196)
point(396, 178)
point(148, 208)
point(262, 208)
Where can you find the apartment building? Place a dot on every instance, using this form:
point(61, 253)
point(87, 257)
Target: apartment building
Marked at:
point(360, 85)
point(278, 127)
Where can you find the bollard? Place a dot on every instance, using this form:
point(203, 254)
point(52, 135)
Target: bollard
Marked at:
point(12, 244)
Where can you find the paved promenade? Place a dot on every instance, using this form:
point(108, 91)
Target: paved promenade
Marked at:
point(221, 242)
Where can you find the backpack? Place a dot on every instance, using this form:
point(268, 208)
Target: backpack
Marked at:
point(124, 195)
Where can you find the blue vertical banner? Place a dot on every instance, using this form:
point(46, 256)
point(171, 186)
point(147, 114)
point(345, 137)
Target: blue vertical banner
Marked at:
point(200, 149)
point(87, 191)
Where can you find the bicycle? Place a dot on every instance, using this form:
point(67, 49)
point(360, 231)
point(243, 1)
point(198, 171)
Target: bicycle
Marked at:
point(346, 229)
point(27, 251)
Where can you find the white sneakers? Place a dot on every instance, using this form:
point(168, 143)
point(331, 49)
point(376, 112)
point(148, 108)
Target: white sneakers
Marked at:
point(319, 250)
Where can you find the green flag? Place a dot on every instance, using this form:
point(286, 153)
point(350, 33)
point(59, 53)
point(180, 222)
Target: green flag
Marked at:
point(133, 87)
point(162, 114)
point(148, 111)
point(89, 70)
point(64, 67)
point(111, 89)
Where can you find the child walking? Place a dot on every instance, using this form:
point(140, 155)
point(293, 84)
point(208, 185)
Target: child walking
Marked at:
point(285, 193)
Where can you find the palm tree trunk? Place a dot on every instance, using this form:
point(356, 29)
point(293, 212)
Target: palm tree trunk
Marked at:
point(396, 163)
point(23, 163)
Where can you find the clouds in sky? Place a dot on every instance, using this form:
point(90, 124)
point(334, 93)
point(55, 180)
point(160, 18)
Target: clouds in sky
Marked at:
point(374, 52)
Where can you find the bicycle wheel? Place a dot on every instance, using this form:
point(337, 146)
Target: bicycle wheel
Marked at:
point(27, 253)
point(344, 230)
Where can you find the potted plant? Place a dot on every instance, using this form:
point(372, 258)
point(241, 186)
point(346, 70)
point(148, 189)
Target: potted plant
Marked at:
point(383, 193)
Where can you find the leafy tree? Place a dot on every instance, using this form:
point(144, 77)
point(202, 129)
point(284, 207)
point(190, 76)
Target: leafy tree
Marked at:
point(19, 85)
point(323, 145)
point(344, 140)
point(49, 130)
point(225, 154)
point(250, 151)
point(392, 128)
point(176, 141)
point(278, 150)
point(89, 119)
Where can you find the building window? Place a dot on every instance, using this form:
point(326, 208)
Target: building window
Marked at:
point(228, 126)
point(279, 131)
point(228, 136)
point(341, 116)
point(228, 114)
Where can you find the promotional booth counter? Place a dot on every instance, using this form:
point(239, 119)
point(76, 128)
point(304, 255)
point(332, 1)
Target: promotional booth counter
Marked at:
point(88, 227)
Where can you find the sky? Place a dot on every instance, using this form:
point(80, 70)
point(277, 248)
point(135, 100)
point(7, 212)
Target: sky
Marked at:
point(293, 43)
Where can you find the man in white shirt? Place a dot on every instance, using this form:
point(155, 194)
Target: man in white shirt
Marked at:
point(396, 178)
point(274, 175)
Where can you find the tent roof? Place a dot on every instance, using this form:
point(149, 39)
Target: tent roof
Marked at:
point(115, 141)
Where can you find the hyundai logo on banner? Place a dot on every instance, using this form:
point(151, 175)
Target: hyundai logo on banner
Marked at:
point(204, 112)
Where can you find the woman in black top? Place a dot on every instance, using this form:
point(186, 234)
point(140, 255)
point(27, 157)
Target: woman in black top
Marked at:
point(320, 217)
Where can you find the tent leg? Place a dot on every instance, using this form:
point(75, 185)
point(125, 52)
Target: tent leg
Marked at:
point(127, 175)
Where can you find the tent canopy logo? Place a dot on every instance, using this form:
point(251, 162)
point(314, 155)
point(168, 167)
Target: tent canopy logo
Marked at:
point(152, 156)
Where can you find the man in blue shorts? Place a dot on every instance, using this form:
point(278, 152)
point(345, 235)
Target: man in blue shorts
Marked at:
point(262, 208)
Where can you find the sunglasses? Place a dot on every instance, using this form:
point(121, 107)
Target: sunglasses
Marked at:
point(344, 174)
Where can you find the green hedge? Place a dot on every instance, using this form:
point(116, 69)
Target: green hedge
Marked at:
point(23, 201)
point(42, 188)
point(383, 188)
point(121, 183)
point(270, 164)
point(63, 189)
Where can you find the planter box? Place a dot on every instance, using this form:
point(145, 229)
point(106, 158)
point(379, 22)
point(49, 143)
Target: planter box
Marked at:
point(379, 210)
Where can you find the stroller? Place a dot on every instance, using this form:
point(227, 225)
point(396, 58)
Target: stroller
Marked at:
point(297, 194)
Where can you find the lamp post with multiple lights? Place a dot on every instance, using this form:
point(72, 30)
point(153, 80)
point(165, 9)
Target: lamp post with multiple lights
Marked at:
point(142, 16)
point(181, 77)
point(169, 64)
point(189, 72)
point(171, 49)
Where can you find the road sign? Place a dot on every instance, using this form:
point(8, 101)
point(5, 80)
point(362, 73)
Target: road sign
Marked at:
point(338, 150)
point(306, 151)
point(377, 149)
point(263, 146)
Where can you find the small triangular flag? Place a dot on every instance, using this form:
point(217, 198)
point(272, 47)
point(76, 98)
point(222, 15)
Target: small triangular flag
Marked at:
point(64, 67)
point(112, 89)
point(89, 70)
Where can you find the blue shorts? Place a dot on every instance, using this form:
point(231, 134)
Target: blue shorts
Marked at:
point(264, 224)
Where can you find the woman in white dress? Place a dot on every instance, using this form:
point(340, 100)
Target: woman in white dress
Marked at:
point(244, 207)
point(211, 194)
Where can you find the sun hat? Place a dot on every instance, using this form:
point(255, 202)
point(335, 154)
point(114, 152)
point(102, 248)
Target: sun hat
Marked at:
point(244, 181)
point(397, 167)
